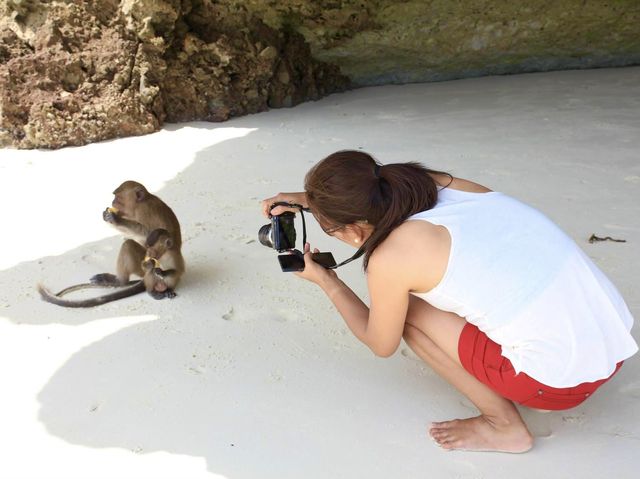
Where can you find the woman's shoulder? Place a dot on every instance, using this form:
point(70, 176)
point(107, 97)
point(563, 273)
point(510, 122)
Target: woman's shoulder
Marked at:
point(416, 251)
point(415, 236)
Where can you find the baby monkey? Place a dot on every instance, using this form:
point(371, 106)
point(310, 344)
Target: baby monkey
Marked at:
point(151, 252)
point(163, 265)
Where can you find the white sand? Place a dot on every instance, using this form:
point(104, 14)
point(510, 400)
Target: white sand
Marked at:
point(249, 372)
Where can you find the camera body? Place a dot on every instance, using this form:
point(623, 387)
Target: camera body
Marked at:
point(280, 235)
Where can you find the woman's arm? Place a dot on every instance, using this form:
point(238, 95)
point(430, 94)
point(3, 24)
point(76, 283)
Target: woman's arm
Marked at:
point(403, 263)
point(354, 312)
point(379, 327)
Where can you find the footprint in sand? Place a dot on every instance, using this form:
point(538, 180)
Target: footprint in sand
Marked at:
point(578, 419)
point(197, 369)
point(409, 354)
point(632, 179)
point(240, 238)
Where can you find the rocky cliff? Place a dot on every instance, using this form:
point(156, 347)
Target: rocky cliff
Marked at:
point(77, 72)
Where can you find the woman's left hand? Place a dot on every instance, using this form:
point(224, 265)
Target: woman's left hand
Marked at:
point(313, 271)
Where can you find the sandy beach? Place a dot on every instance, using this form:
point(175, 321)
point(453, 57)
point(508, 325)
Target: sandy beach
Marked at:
point(250, 373)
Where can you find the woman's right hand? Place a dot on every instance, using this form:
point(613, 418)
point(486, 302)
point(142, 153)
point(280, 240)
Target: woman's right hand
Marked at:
point(313, 271)
point(299, 198)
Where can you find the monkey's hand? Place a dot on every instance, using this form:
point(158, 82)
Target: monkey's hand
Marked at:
point(163, 273)
point(167, 293)
point(150, 264)
point(110, 215)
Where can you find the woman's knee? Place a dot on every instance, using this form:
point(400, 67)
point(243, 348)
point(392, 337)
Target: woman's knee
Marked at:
point(431, 320)
point(432, 330)
point(409, 332)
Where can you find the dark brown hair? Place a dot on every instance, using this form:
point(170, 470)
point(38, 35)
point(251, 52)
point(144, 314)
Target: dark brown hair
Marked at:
point(351, 186)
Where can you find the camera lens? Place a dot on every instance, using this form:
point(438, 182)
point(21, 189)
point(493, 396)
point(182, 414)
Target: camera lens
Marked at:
point(264, 236)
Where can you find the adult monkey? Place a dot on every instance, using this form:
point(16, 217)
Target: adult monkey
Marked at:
point(136, 213)
point(148, 221)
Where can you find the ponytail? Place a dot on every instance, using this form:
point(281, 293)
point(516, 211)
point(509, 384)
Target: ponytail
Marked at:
point(350, 186)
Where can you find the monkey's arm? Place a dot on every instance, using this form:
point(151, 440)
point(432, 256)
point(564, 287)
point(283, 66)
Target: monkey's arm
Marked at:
point(126, 226)
point(169, 268)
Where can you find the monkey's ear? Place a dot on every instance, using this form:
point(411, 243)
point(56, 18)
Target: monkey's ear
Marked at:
point(168, 243)
point(141, 193)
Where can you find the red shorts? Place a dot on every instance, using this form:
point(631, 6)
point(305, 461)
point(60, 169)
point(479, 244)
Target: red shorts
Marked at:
point(483, 359)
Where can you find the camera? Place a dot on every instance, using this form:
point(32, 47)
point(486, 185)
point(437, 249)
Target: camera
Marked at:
point(280, 235)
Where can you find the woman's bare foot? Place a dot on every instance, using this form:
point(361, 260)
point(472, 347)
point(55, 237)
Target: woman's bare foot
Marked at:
point(482, 434)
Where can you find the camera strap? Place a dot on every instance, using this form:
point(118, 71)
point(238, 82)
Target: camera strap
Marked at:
point(304, 227)
point(357, 254)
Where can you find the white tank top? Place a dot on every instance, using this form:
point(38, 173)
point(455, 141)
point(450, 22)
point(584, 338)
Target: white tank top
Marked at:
point(523, 282)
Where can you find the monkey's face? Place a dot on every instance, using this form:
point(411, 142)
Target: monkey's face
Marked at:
point(127, 196)
point(117, 203)
point(124, 202)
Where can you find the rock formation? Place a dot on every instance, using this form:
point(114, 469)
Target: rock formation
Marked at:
point(74, 72)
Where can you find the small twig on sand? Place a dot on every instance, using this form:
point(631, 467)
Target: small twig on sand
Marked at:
point(595, 238)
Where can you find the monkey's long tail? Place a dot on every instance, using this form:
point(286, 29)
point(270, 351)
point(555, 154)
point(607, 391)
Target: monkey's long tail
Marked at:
point(78, 287)
point(136, 288)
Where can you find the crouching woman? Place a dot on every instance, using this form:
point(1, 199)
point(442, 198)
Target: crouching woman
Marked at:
point(484, 288)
